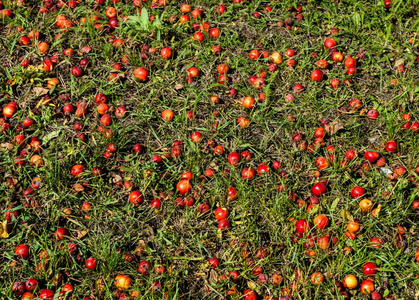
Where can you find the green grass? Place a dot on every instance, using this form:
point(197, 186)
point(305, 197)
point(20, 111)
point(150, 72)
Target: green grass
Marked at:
point(181, 239)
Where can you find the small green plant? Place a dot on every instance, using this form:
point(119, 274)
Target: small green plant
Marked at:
point(142, 23)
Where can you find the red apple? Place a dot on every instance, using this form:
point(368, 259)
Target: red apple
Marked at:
point(391, 146)
point(357, 192)
point(329, 43)
point(371, 156)
point(144, 267)
point(249, 295)
point(369, 268)
point(302, 226)
point(317, 75)
point(321, 221)
point(214, 262)
point(248, 174)
point(22, 251)
point(318, 189)
point(60, 233)
point(141, 74)
point(184, 186)
point(90, 263)
point(221, 213)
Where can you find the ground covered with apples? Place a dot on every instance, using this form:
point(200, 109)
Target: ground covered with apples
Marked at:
point(238, 149)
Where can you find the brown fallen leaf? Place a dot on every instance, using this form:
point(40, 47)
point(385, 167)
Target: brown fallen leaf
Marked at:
point(13, 181)
point(151, 230)
point(40, 91)
point(178, 86)
point(78, 187)
point(213, 166)
point(363, 112)
point(333, 127)
point(80, 234)
point(213, 276)
point(7, 146)
point(116, 178)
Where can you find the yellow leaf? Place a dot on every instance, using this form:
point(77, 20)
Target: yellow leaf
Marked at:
point(70, 150)
point(3, 230)
point(40, 67)
point(220, 234)
point(43, 102)
point(378, 209)
point(251, 284)
point(346, 215)
point(203, 266)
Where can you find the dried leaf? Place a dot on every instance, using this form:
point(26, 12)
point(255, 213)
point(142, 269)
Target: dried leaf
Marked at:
point(178, 86)
point(150, 229)
point(78, 187)
point(39, 91)
point(7, 146)
point(213, 276)
point(213, 166)
point(50, 136)
point(3, 230)
point(398, 62)
point(334, 204)
point(280, 246)
point(81, 234)
point(142, 244)
point(100, 285)
point(333, 127)
point(13, 182)
point(346, 215)
point(363, 112)
point(116, 178)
